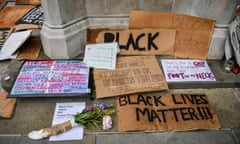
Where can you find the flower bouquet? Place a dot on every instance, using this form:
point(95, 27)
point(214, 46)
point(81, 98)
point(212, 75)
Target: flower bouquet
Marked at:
point(91, 117)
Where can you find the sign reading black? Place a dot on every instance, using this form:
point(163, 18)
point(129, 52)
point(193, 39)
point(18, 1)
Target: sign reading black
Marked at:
point(34, 16)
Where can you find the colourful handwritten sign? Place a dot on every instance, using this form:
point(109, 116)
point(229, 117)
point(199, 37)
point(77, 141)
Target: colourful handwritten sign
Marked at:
point(187, 70)
point(52, 77)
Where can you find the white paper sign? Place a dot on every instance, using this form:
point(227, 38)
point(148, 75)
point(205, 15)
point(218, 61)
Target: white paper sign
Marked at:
point(101, 55)
point(14, 42)
point(63, 113)
point(186, 70)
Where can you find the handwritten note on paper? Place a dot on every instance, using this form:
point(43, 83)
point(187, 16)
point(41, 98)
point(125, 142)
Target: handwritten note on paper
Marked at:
point(64, 112)
point(101, 55)
point(187, 70)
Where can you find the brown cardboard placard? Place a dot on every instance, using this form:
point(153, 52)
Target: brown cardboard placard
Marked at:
point(30, 50)
point(193, 35)
point(9, 15)
point(2, 4)
point(142, 41)
point(7, 105)
point(33, 16)
point(174, 112)
point(132, 74)
point(92, 34)
point(28, 2)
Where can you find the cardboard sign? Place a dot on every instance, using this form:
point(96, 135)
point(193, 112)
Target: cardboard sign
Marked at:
point(133, 74)
point(193, 35)
point(51, 78)
point(7, 105)
point(10, 14)
point(2, 3)
point(31, 2)
point(141, 42)
point(92, 35)
point(175, 112)
point(30, 50)
point(186, 70)
point(34, 16)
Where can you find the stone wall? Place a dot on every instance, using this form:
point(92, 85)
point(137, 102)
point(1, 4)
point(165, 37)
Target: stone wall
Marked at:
point(64, 31)
point(219, 10)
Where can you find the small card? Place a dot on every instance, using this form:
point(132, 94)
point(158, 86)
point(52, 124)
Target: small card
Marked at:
point(102, 55)
point(63, 113)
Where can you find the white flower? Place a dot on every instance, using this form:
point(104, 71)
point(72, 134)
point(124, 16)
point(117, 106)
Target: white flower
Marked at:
point(107, 122)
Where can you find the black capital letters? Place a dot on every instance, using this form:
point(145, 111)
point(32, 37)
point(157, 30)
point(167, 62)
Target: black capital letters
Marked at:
point(137, 43)
point(157, 101)
point(151, 41)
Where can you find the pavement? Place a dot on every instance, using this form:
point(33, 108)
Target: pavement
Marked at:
point(35, 113)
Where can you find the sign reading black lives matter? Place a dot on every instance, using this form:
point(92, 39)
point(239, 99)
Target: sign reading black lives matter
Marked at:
point(34, 16)
point(175, 112)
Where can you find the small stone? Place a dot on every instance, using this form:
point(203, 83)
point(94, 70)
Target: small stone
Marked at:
point(7, 78)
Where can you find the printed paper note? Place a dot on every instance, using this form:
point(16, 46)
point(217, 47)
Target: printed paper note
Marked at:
point(186, 70)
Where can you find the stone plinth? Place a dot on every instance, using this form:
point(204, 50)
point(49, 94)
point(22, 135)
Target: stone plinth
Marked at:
point(64, 31)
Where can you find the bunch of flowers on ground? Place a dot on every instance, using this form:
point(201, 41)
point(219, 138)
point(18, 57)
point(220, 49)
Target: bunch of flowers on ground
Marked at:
point(96, 116)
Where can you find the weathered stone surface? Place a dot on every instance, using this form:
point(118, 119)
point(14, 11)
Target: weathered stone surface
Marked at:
point(61, 12)
point(63, 18)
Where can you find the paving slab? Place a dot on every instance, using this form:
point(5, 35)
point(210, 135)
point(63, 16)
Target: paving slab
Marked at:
point(36, 113)
point(193, 137)
point(88, 139)
point(236, 133)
